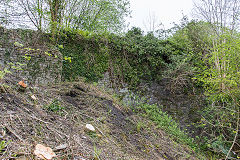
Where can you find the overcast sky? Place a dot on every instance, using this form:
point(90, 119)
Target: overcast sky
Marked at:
point(165, 11)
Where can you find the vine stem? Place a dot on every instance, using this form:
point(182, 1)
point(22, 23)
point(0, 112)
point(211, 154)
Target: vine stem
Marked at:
point(235, 138)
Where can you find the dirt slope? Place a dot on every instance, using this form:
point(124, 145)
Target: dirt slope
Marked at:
point(59, 116)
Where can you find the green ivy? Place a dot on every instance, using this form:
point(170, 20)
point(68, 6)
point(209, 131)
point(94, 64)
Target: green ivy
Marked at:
point(131, 58)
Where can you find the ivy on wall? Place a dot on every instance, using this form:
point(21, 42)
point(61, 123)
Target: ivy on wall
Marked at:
point(129, 58)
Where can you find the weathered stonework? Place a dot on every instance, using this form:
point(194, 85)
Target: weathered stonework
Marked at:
point(39, 64)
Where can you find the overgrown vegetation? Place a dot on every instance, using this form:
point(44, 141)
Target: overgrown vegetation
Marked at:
point(187, 57)
point(195, 55)
point(162, 120)
point(130, 58)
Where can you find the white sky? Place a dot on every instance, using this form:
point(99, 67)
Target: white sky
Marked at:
point(165, 11)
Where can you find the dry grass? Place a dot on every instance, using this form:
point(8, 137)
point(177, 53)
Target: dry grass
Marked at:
point(120, 133)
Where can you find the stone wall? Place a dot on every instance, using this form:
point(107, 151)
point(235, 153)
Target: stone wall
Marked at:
point(182, 107)
point(28, 56)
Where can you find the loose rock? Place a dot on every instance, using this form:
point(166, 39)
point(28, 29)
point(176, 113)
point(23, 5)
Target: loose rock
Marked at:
point(89, 127)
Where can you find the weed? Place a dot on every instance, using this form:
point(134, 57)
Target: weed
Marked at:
point(162, 120)
point(3, 73)
point(6, 70)
point(95, 84)
point(55, 107)
point(140, 126)
point(97, 153)
point(166, 122)
point(93, 135)
point(3, 145)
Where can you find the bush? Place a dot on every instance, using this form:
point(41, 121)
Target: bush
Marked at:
point(130, 58)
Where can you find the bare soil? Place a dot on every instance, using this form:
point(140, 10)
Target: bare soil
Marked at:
point(120, 134)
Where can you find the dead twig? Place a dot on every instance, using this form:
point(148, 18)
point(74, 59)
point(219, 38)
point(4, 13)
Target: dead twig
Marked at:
point(235, 138)
point(14, 133)
point(34, 117)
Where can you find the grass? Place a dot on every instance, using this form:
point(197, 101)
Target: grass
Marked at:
point(97, 153)
point(163, 121)
point(160, 119)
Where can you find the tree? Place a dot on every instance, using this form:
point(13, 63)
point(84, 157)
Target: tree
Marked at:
point(3, 16)
point(34, 11)
point(91, 15)
point(223, 17)
point(152, 24)
point(221, 72)
point(8, 13)
point(222, 87)
point(97, 14)
point(220, 13)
